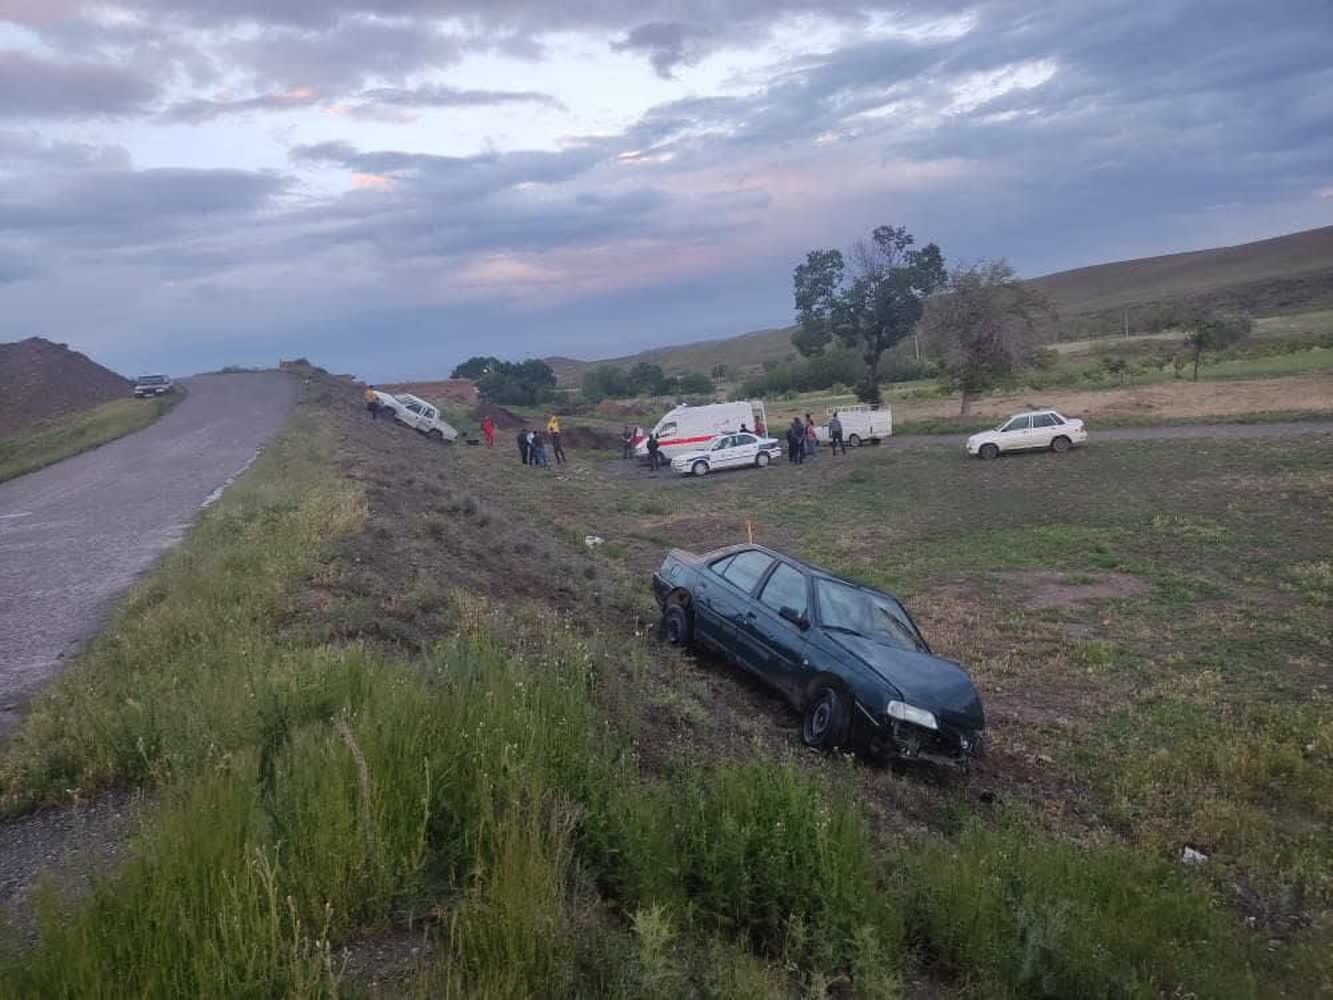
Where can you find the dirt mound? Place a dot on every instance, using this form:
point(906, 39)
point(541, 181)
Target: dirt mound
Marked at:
point(618, 410)
point(43, 380)
point(588, 437)
point(449, 390)
point(505, 420)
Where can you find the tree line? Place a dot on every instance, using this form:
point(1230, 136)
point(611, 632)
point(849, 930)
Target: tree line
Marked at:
point(979, 322)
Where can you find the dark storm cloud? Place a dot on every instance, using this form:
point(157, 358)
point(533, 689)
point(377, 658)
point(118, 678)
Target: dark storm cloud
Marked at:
point(666, 44)
point(110, 207)
point(43, 88)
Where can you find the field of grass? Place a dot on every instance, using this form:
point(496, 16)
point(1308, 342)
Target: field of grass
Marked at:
point(62, 437)
point(540, 800)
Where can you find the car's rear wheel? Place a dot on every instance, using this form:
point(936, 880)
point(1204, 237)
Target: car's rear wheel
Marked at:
point(854, 440)
point(826, 719)
point(1060, 445)
point(761, 459)
point(676, 625)
point(699, 468)
point(989, 452)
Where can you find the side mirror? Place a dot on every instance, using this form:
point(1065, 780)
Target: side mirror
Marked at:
point(797, 618)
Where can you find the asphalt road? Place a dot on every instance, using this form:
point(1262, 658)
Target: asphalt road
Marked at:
point(75, 536)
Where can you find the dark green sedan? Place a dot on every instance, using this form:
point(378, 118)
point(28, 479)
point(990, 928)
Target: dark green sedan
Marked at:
point(849, 658)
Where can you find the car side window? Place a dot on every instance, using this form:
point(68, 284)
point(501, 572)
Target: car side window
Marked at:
point(720, 567)
point(741, 439)
point(666, 430)
point(429, 414)
point(746, 569)
point(1043, 420)
point(785, 589)
point(1017, 424)
point(722, 443)
point(1056, 418)
point(414, 407)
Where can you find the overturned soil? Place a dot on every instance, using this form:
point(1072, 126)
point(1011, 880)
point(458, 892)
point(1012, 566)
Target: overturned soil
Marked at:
point(43, 380)
point(1066, 590)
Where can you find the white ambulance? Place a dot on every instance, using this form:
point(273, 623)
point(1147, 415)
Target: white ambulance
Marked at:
point(861, 424)
point(688, 428)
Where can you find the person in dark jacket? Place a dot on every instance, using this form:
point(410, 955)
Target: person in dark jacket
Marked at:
point(796, 441)
point(523, 446)
point(835, 435)
point(653, 452)
point(627, 442)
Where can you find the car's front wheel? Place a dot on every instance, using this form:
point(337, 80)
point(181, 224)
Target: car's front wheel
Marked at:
point(827, 715)
point(676, 625)
point(761, 459)
point(699, 468)
point(1060, 445)
point(989, 452)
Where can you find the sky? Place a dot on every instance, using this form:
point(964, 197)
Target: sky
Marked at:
point(390, 186)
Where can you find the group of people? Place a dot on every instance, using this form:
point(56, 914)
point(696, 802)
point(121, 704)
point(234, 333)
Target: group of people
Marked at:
point(803, 441)
point(533, 442)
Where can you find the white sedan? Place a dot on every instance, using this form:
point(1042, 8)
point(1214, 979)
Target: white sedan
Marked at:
point(1036, 430)
point(730, 451)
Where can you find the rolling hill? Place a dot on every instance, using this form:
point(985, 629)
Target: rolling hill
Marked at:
point(1287, 274)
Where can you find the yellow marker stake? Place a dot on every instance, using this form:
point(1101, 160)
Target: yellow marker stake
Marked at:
point(749, 530)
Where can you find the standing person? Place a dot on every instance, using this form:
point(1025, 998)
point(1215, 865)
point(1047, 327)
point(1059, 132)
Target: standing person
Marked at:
point(553, 428)
point(523, 446)
point(488, 430)
point(653, 447)
point(372, 402)
point(627, 442)
point(796, 441)
point(532, 447)
point(811, 439)
point(539, 450)
point(835, 435)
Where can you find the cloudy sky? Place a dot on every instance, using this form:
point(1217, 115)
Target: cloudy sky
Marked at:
point(389, 186)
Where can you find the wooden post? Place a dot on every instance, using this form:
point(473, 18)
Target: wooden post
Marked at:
point(749, 530)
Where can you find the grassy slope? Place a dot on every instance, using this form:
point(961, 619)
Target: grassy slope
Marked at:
point(476, 793)
point(1248, 269)
point(62, 437)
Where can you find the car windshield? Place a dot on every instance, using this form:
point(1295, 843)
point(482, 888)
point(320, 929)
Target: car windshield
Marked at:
point(152, 379)
point(867, 614)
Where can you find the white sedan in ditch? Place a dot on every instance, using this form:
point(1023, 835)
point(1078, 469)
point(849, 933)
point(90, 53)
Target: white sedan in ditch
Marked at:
point(730, 451)
point(1036, 430)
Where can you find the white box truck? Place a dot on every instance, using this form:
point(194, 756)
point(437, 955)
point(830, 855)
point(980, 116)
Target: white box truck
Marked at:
point(861, 424)
point(688, 428)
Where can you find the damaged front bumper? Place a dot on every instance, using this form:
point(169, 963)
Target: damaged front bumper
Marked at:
point(894, 739)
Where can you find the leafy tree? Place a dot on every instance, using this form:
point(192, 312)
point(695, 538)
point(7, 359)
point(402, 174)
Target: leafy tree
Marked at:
point(721, 373)
point(476, 367)
point(648, 380)
point(605, 382)
point(695, 384)
point(526, 383)
point(872, 307)
point(1215, 333)
point(984, 327)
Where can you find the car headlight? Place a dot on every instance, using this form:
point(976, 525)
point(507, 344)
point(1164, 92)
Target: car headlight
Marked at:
point(910, 713)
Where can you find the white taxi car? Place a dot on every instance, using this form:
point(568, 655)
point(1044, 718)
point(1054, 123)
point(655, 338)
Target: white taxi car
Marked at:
point(730, 451)
point(1036, 430)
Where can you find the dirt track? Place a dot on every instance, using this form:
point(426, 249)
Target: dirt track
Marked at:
point(1180, 431)
point(76, 535)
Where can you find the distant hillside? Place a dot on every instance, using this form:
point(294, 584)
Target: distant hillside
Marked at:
point(39, 379)
point(1287, 274)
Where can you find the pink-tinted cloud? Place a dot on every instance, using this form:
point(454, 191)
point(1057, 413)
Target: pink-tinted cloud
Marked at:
point(372, 182)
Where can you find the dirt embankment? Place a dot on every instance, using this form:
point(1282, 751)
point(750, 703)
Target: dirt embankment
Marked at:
point(43, 380)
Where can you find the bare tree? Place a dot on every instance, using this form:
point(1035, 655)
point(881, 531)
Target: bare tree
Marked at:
point(985, 326)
